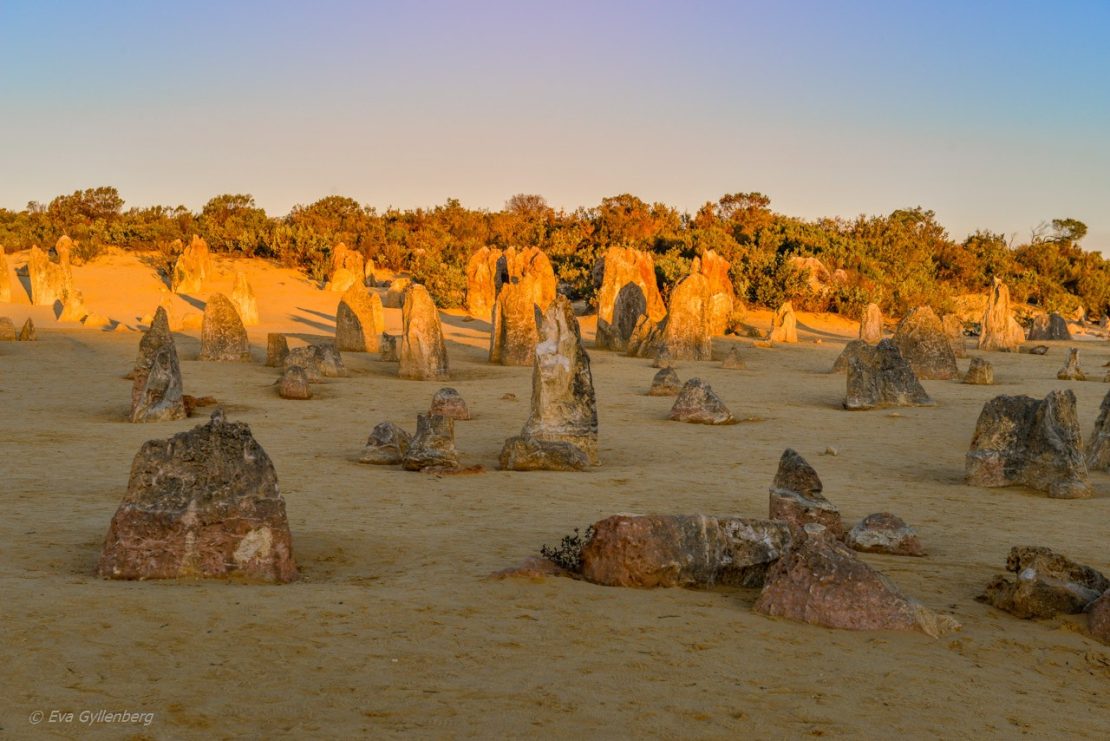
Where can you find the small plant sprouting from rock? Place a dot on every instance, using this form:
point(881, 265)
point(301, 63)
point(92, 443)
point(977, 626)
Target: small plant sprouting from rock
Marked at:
point(568, 554)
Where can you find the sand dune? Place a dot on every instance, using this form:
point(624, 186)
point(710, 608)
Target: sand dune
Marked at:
point(394, 628)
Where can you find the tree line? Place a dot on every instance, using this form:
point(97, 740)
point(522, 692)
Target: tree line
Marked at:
point(898, 261)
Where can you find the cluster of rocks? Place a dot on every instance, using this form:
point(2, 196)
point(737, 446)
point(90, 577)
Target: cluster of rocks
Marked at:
point(490, 271)
point(1047, 584)
point(432, 448)
point(193, 266)
point(8, 332)
point(628, 292)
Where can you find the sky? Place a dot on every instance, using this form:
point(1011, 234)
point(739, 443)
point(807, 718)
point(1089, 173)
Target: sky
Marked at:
point(996, 115)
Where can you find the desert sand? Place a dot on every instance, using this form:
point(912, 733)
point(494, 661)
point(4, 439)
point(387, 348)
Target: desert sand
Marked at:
point(394, 627)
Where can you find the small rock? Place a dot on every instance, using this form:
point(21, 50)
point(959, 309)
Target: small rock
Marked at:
point(697, 403)
point(1071, 370)
point(980, 372)
point(432, 445)
point(733, 360)
point(1047, 583)
point(665, 383)
point(386, 446)
point(796, 497)
point(449, 403)
point(883, 532)
point(294, 383)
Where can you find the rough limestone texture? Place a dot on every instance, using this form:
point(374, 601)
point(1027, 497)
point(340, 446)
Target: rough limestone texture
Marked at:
point(348, 269)
point(662, 359)
point(522, 453)
point(514, 335)
point(1047, 583)
point(646, 340)
point(242, 295)
point(7, 330)
point(27, 331)
point(1020, 440)
point(516, 265)
point(686, 332)
point(432, 445)
point(722, 296)
point(481, 283)
point(697, 403)
point(203, 503)
point(980, 372)
point(222, 335)
point(1000, 331)
point(871, 324)
point(359, 320)
point(954, 328)
point(883, 532)
point(50, 281)
point(682, 551)
point(822, 582)
point(629, 313)
point(277, 347)
point(854, 349)
point(665, 383)
point(1071, 370)
point(293, 384)
point(621, 266)
point(390, 351)
point(880, 377)
point(796, 498)
point(1049, 327)
point(5, 278)
point(386, 445)
point(73, 308)
point(156, 394)
point(1098, 447)
point(921, 339)
point(318, 361)
point(784, 324)
point(395, 296)
point(192, 267)
point(449, 403)
point(423, 356)
point(1098, 618)
point(564, 408)
point(733, 360)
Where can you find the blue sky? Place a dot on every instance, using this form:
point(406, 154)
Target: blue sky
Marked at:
point(994, 114)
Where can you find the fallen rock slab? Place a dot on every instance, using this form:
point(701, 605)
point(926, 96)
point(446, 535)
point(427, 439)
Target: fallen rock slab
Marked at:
point(1047, 583)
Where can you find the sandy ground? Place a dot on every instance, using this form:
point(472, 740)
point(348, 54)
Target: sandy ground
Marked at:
point(394, 629)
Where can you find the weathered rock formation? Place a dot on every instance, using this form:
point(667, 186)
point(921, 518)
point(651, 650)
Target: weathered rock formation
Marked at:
point(621, 266)
point(433, 445)
point(871, 324)
point(448, 402)
point(222, 336)
point(50, 281)
point(27, 332)
point(203, 503)
point(1047, 583)
point(880, 377)
point(922, 341)
point(514, 335)
point(243, 297)
point(1071, 370)
point(784, 324)
point(516, 265)
point(386, 445)
point(883, 532)
point(822, 582)
point(359, 320)
point(318, 361)
point(395, 296)
point(423, 356)
point(733, 360)
point(980, 372)
point(1032, 442)
point(665, 383)
point(348, 269)
point(686, 330)
point(721, 297)
point(854, 349)
point(390, 351)
point(293, 383)
point(629, 312)
point(481, 283)
point(1039, 350)
point(697, 403)
point(5, 278)
point(73, 308)
point(1000, 331)
point(682, 551)
point(277, 347)
point(954, 328)
point(1049, 327)
point(523, 453)
point(1098, 618)
point(796, 498)
point(7, 330)
point(192, 267)
point(1098, 447)
point(156, 394)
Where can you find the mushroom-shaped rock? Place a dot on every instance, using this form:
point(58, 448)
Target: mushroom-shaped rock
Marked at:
point(1047, 583)
point(784, 324)
point(449, 402)
point(1049, 327)
point(871, 324)
point(1098, 447)
point(883, 532)
point(277, 347)
point(1000, 331)
point(293, 383)
point(796, 497)
point(925, 345)
point(432, 445)
point(1071, 370)
point(523, 453)
point(359, 320)
point(980, 372)
point(203, 503)
point(822, 582)
point(386, 445)
point(665, 383)
point(222, 335)
point(699, 404)
point(880, 377)
point(682, 551)
point(423, 356)
point(1034, 442)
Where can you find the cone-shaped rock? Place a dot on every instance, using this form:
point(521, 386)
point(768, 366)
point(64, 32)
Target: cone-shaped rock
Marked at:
point(698, 403)
point(682, 551)
point(925, 345)
point(203, 503)
point(686, 332)
point(796, 497)
point(242, 295)
point(1049, 327)
point(883, 532)
point(980, 372)
point(27, 332)
point(1033, 442)
point(1047, 583)
point(514, 335)
point(1071, 370)
point(432, 445)
point(1000, 331)
point(880, 377)
point(386, 445)
point(156, 394)
point(359, 320)
point(481, 287)
point(423, 356)
point(1098, 448)
point(784, 324)
point(222, 335)
point(665, 383)
point(871, 324)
